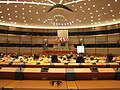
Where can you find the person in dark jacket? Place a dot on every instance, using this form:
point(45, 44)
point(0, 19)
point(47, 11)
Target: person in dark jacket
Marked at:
point(54, 59)
point(80, 58)
point(109, 58)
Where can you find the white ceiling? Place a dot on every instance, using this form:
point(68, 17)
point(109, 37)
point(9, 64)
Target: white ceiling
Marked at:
point(34, 13)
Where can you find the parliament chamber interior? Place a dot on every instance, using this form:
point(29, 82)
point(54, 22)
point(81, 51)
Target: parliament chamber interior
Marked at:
point(59, 44)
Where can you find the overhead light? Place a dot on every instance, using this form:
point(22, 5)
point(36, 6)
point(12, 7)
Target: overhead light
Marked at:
point(60, 1)
point(21, 2)
point(52, 2)
point(73, 2)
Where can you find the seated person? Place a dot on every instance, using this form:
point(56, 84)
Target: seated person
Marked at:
point(69, 56)
point(80, 58)
point(54, 59)
point(36, 57)
point(109, 58)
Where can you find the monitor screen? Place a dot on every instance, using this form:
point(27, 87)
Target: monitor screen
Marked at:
point(80, 49)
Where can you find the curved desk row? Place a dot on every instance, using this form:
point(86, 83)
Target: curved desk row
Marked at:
point(60, 65)
point(65, 85)
point(59, 73)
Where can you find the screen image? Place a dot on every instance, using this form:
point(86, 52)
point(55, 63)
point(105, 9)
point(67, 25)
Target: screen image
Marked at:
point(80, 49)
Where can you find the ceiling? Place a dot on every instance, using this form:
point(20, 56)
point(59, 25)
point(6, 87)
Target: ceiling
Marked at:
point(52, 14)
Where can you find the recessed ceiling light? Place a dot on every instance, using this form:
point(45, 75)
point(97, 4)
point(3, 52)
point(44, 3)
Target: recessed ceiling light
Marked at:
point(75, 9)
point(93, 5)
point(90, 13)
point(8, 14)
point(8, 9)
point(23, 8)
point(91, 20)
point(111, 10)
point(102, 7)
point(80, 6)
point(77, 19)
point(72, 5)
point(36, 12)
point(113, 15)
point(43, 10)
point(104, 13)
point(30, 11)
point(96, 10)
point(88, 8)
point(15, 5)
point(15, 11)
point(1, 16)
point(84, 3)
point(10, 19)
point(23, 17)
point(113, 19)
point(91, 16)
point(115, 0)
point(0, 11)
point(98, 15)
point(38, 19)
point(24, 20)
point(108, 4)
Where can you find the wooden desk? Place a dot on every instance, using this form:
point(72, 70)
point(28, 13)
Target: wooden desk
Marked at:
point(57, 73)
point(4, 83)
point(83, 73)
point(35, 85)
point(98, 84)
point(32, 73)
point(72, 85)
point(7, 73)
point(106, 73)
point(59, 52)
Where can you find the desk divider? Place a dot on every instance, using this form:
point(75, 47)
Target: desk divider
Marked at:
point(52, 65)
point(107, 65)
point(117, 75)
point(70, 74)
point(19, 75)
point(81, 66)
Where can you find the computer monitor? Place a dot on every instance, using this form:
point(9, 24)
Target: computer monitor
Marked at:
point(80, 49)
